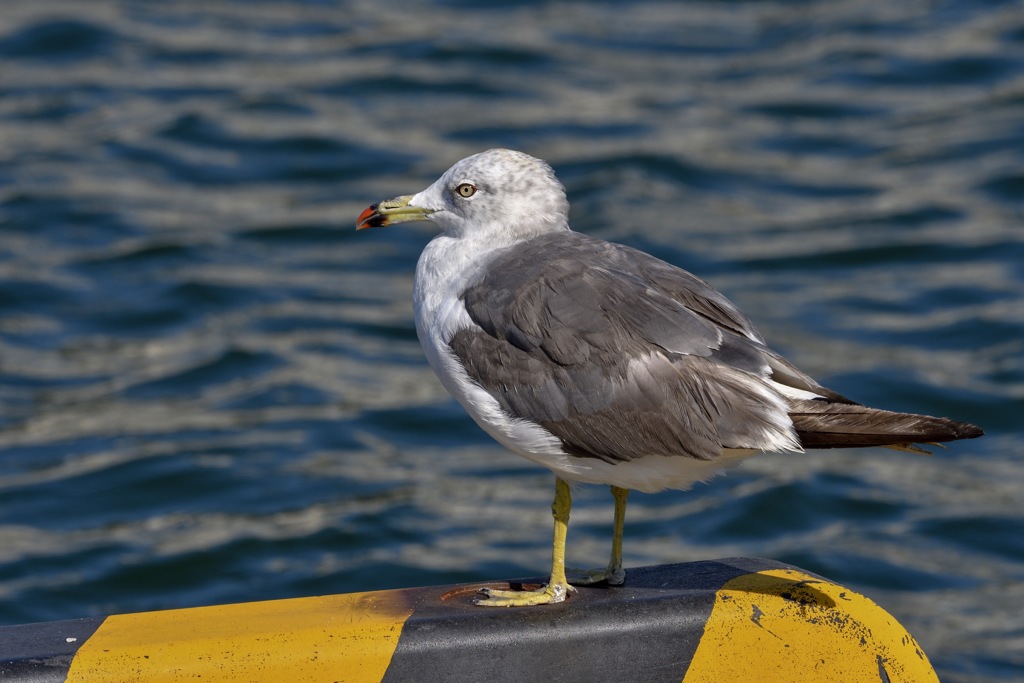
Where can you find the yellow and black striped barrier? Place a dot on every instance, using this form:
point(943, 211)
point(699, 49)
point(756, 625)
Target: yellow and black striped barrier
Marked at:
point(724, 620)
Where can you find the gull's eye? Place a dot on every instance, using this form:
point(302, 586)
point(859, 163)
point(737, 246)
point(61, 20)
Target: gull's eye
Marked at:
point(466, 189)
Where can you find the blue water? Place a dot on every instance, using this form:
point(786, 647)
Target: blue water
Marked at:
point(210, 385)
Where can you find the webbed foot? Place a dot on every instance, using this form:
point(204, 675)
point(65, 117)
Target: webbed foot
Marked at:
point(545, 595)
point(613, 576)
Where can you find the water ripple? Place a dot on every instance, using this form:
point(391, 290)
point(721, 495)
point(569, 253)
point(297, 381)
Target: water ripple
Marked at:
point(210, 385)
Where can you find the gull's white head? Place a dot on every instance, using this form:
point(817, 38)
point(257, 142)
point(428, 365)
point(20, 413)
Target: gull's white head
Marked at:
point(493, 194)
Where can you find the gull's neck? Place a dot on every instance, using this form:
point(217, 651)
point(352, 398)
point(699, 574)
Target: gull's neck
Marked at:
point(445, 268)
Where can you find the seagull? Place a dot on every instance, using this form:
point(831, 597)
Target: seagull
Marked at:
point(601, 362)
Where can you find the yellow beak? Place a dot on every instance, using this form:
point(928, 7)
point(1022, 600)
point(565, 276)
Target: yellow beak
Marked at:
point(392, 211)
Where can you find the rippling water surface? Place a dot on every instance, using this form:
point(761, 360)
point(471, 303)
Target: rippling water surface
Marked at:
point(210, 385)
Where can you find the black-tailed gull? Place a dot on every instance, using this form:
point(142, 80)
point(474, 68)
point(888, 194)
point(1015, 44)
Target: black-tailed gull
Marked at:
point(600, 362)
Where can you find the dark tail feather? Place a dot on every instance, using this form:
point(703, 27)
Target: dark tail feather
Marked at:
point(821, 423)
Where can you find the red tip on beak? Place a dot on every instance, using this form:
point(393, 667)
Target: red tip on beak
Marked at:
point(367, 218)
point(390, 212)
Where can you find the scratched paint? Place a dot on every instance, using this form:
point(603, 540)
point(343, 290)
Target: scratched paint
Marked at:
point(786, 625)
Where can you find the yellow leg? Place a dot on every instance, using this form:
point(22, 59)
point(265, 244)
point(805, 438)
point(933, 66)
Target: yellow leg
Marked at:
point(557, 587)
point(614, 574)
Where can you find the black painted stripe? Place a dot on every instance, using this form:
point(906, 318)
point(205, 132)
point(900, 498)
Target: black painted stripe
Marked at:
point(42, 653)
point(651, 627)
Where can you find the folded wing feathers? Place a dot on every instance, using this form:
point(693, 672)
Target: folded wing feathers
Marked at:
point(821, 423)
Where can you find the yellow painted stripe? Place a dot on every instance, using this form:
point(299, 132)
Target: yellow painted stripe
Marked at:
point(337, 638)
point(783, 625)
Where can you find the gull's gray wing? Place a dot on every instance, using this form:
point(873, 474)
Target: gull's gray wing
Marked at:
point(621, 356)
point(618, 354)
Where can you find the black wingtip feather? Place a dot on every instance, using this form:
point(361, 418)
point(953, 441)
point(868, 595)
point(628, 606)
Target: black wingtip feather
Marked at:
point(824, 424)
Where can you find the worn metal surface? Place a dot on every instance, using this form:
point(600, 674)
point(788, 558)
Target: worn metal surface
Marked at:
point(732, 619)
